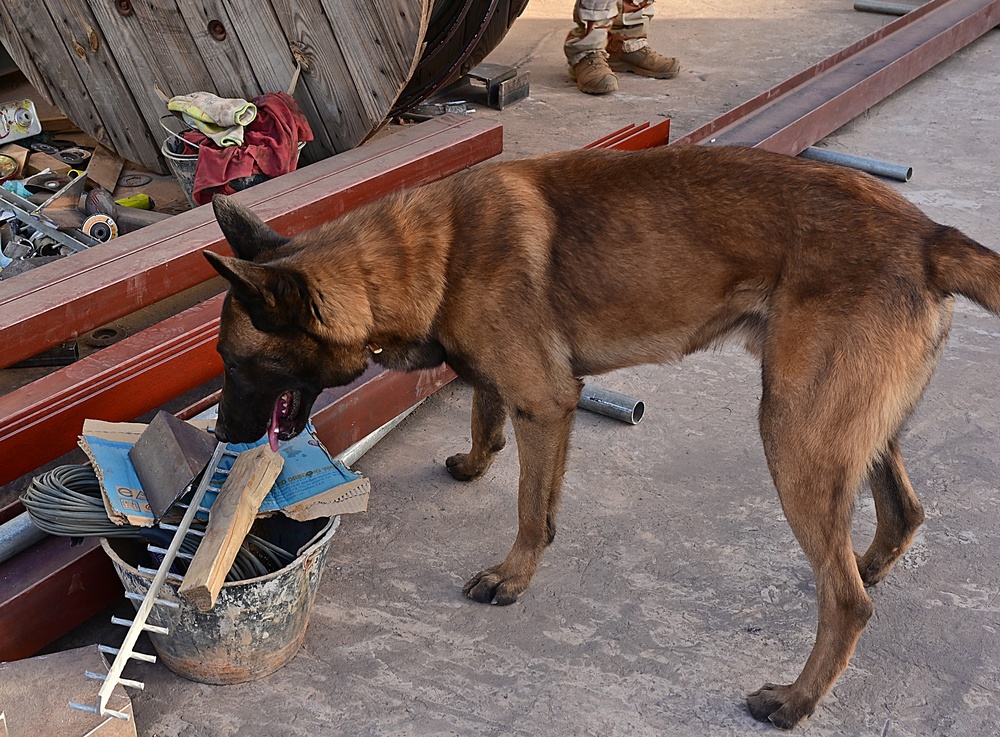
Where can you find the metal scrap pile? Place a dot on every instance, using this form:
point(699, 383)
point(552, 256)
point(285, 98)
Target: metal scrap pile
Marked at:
point(56, 196)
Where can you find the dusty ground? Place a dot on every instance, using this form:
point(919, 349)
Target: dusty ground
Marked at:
point(674, 587)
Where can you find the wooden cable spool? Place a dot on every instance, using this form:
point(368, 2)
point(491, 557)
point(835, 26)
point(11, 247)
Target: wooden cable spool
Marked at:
point(361, 62)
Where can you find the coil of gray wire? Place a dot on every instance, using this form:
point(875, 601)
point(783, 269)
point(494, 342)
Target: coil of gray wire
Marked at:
point(67, 501)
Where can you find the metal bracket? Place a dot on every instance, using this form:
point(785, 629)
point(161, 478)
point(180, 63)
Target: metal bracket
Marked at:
point(504, 85)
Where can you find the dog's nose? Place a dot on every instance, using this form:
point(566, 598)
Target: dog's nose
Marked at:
point(220, 433)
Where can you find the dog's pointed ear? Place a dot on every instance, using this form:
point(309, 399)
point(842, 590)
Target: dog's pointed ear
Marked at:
point(276, 298)
point(248, 235)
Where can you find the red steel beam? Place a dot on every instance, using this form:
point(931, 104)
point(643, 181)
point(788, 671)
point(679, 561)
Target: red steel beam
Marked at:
point(41, 421)
point(801, 110)
point(48, 590)
point(58, 301)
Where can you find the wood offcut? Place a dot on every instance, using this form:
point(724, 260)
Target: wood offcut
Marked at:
point(233, 512)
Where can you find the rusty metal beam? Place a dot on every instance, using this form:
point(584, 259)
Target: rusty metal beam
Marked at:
point(801, 110)
point(361, 409)
point(58, 301)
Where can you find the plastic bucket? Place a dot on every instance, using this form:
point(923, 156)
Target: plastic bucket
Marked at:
point(256, 626)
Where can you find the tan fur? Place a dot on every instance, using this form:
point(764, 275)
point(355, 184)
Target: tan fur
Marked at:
point(527, 275)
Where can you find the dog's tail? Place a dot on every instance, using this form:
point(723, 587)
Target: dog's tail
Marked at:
point(959, 265)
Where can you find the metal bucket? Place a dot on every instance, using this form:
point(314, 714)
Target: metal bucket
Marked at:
point(182, 166)
point(256, 626)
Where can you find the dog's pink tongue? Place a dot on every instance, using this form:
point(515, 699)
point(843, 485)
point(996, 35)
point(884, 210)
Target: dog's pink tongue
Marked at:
point(272, 429)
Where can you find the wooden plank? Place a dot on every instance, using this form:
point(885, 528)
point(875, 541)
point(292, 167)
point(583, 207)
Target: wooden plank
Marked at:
point(225, 59)
point(52, 303)
point(305, 26)
point(233, 512)
point(272, 62)
point(104, 168)
point(167, 43)
point(10, 36)
point(137, 46)
point(380, 44)
point(123, 127)
point(53, 61)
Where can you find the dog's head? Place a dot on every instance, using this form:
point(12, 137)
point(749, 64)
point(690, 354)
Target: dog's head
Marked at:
point(282, 339)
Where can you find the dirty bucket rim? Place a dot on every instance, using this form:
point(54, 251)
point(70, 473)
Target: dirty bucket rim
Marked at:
point(321, 538)
point(184, 158)
point(174, 134)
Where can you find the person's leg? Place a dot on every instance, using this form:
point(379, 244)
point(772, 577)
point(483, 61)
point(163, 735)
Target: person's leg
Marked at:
point(585, 46)
point(628, 44)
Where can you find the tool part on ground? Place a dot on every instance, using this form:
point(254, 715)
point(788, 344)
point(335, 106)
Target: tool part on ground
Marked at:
point(232, 515)
point(73, 156)
point(100, 227)
point(504, 85)
point(8, 167)
point(889, 170)
point(140, 201)
point(18, 120)
point(31, 215)
point(151, 599)
point(134, 180)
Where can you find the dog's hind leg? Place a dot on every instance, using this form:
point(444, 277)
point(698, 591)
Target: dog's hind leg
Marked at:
point(489, 416)
point(542, 428)
point(816, 496)
point(818, 437)
point(899, 515)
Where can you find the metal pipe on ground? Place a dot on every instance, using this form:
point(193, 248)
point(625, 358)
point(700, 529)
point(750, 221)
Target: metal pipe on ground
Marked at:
point(611, 404)
point(900, 172)
point(874, 6)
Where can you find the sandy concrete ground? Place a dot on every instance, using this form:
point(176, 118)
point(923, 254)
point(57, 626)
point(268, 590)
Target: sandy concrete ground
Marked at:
point(674, 587)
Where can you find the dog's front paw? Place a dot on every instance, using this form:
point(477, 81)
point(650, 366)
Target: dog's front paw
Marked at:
point(463, 468)
point(776, 704)
point(493, 587)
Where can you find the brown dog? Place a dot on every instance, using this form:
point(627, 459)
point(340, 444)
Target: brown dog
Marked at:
point(524, 276)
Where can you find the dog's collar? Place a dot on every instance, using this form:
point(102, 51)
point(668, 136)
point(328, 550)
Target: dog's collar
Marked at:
point(375, 348)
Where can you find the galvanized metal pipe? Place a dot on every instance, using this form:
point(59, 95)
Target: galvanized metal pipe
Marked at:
point(611, 404)
point(875, 6)
point(899, 172)
point(18, 534)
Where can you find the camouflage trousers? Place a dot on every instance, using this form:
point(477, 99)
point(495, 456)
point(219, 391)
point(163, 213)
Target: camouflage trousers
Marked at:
point(618, 26)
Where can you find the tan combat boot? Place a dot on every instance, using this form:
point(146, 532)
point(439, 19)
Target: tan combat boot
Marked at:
point(646, 62)
point(593, 75)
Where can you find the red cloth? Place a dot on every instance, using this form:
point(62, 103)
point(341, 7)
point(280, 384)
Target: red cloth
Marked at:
point(270, 146)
